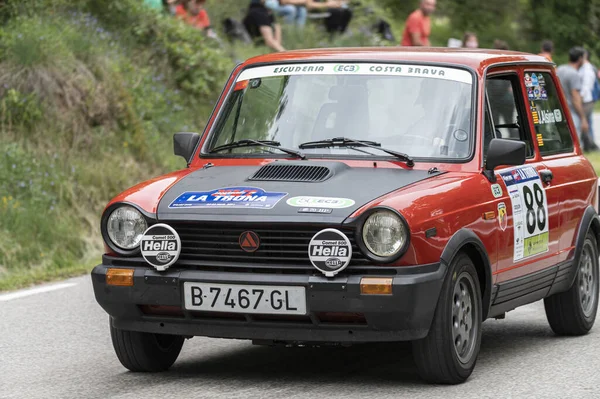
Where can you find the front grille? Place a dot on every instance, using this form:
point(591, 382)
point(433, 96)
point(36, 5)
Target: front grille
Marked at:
point(204, 244)
point(293, 173)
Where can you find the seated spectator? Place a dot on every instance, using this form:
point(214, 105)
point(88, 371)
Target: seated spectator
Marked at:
point(500, 45)
point(340, 13)
point(292, 11)
point(470, 40)
point(260, 24)
point(194, 14)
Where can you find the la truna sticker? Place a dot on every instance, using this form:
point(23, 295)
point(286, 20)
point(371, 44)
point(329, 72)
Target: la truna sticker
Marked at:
point(330, 251)
point(160, 246)
point(229, 197)
point(320, 202)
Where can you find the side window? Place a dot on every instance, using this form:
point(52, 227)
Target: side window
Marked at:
point(551, 128)
point(507, 110)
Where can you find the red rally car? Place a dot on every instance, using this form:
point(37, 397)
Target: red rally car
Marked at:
point(360, 195)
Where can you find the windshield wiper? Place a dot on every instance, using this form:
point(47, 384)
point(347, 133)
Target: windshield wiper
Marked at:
point(346, 142)
point(258, 143)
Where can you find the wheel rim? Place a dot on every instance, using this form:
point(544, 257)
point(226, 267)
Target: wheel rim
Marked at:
point(464, 317)
point(588, 280)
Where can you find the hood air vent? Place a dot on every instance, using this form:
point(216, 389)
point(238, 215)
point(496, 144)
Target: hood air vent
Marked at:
point(292, 172)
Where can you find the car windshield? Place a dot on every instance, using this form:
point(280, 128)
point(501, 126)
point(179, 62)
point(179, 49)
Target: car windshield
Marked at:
point(419, 110)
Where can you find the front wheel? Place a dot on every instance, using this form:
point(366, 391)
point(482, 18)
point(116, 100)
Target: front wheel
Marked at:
point(449, 352)
point(148, 352)
point(573, 312)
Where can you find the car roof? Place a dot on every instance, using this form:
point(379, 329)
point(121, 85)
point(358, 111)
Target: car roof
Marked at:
point(477, 59)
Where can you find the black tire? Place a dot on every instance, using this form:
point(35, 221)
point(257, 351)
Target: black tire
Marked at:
point(569, 313)
point(145, 352)
point(436, 355)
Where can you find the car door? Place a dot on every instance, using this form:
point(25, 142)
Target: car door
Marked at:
point(568, 180)
point(528, 216)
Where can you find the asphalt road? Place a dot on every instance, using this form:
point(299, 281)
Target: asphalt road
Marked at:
point(56, 345)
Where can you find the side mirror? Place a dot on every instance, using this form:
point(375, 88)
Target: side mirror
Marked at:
point(504, 152)
point(184, 144)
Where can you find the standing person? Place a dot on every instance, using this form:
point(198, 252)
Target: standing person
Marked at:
point(571, 85)
point(260, 24)
point(418, 25)
point(340, 14)
point(470, 40)
point(588, 74)
point(292, 11)
point(547, 50)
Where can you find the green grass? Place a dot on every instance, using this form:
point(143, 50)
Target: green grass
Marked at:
point(594, 158)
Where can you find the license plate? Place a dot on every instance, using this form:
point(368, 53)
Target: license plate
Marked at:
point(234, 298)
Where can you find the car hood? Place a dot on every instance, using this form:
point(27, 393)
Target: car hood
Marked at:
point(282, 191)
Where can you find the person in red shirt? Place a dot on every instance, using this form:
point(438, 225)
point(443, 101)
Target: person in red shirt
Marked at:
point(194, 14)
point(418, 25)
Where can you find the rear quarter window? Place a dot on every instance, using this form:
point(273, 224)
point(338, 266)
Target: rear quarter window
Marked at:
point(552, 131)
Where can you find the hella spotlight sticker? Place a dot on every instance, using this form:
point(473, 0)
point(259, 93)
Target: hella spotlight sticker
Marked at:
point(160, 246)
point(330, 251)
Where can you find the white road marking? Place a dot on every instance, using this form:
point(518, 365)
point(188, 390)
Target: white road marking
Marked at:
point(34, 291)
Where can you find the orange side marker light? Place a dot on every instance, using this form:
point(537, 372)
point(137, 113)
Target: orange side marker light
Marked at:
point(119, 277)
point(376, 286)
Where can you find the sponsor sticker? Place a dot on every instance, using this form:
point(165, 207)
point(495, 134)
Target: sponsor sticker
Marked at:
point(530, 212)
point(330, 251)
point(528, 82)
point(540, 139)
point(320, 202)
point(160, 246)
point(427, 71)
point(541, 80)
point(496, 190)
point(230, 197)
point(502, 216)
point(558, 115)
point(315, 210)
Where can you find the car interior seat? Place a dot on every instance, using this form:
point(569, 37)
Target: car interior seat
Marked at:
point(347, 115)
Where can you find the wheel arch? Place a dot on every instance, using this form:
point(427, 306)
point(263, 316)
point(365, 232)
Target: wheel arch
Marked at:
point(589, 221)
point(465, 240)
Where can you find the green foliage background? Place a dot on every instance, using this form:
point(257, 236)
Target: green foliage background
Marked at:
point(91, 92)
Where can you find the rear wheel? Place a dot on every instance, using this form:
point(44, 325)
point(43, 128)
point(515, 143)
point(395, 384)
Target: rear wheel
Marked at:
point(449, 352)
point(573, 312)
point(148, 352)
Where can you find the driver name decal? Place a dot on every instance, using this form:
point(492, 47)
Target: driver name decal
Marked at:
point(424, 71)
point(230, 197)
point(530, 212)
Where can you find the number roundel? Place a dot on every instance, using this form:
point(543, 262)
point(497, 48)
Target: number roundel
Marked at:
point(534, 217)
point(541, 211)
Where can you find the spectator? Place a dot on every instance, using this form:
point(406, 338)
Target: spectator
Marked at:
point(418, 25)
point(500, 45)
point(470, 40)
point(194, 14)
point(292, 11)
point(571, 84)
point(547, 49)
point(260, 24)
point(339, 14)
point(588, 74)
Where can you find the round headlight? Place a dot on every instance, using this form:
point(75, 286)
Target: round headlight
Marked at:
point(125, 227)
point(384, 233)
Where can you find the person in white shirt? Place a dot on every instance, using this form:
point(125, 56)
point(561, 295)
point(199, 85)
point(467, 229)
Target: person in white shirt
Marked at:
point(588, 73)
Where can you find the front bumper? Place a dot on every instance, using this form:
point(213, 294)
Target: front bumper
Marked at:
point(337, 311)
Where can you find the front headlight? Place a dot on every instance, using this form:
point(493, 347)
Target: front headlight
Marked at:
point(384, 233)
point(125, 227)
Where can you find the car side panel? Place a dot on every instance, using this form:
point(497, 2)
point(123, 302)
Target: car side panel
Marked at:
point(453, 201)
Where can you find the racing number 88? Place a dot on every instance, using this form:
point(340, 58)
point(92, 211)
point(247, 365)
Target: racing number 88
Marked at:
point(535, 217)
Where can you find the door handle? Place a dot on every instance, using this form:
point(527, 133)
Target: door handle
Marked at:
point(546, 175)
